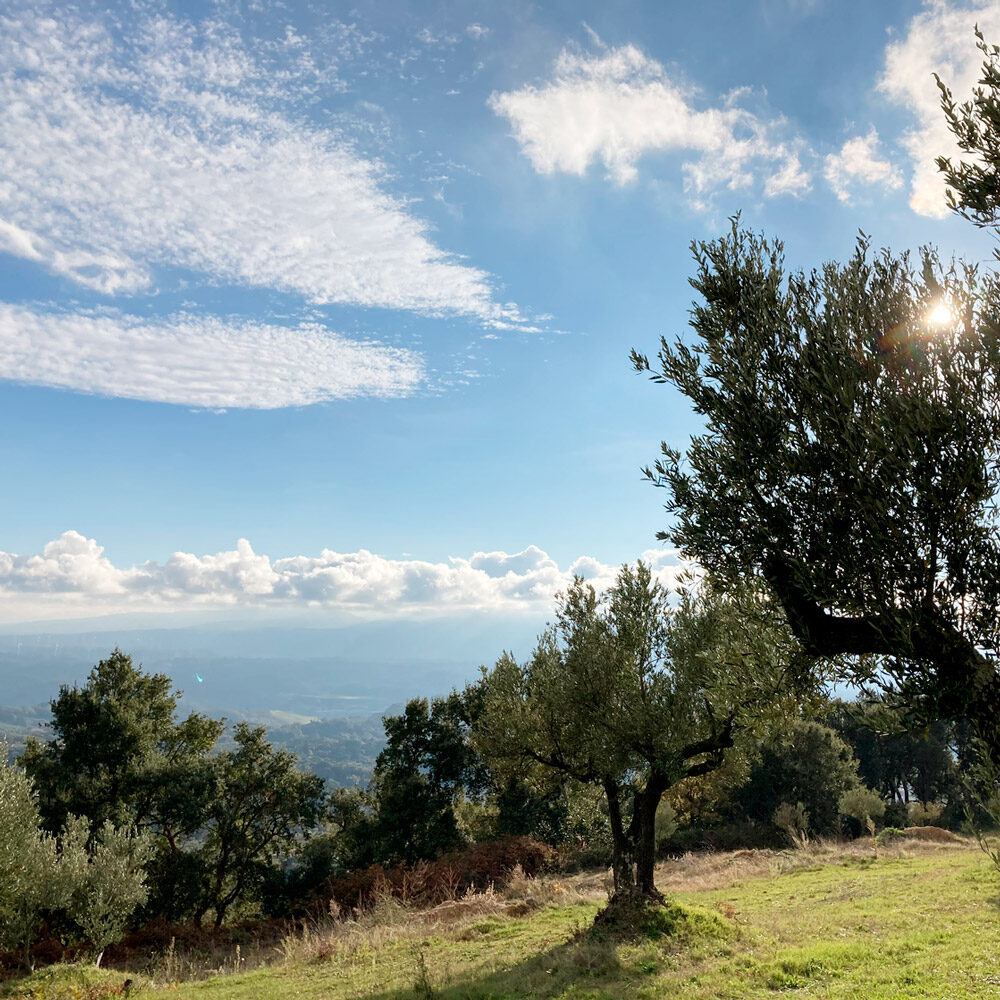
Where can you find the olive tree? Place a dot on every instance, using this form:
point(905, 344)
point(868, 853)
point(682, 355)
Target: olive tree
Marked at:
point(850, 459)
point(974, 184)
point(630, 695)
point(107, 880)
point(30, 879)
point(97, 886)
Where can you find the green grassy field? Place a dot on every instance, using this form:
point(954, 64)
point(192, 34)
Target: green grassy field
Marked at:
point(832, 923)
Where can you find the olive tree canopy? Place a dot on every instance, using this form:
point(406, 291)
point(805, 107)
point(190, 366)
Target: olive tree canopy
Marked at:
point(850, 457)
point(632, 696)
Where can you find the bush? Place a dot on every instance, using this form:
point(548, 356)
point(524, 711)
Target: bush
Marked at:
point(109, 881)
point(896, 814)
point(722, 837)
point(428, 883)
point(810, 764)
point(924, 813)
point(862, 805)
point(889, 836)
point(793, 821)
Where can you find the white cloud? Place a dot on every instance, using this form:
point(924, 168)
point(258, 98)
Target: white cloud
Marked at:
point(17, 241)
point(498, 564)
point(618, 104)
point(477, 31)
point(858, 162)
point(73, 576)
point(197, 361)
point(938, 40)
point(162, 143)
point(790, 179)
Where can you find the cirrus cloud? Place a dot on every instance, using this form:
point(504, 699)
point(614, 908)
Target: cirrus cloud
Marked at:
point(197, 361)
point(156, 142)
point(72, 575)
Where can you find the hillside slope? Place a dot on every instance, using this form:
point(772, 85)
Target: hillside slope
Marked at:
point(922, 923)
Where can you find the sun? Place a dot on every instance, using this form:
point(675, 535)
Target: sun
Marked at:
point(941, 315)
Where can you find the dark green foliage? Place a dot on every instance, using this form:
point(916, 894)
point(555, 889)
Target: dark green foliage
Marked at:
point(850, 459)
point(407, 813)
point(259, 807)
point(427, 762)
point(901, 759)
point(221, 822)
point(426, 774)
point(808, 764)
point(117, 754)
point(524, 810)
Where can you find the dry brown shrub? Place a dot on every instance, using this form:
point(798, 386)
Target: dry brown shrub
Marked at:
point(429, 883)
point(936, 834)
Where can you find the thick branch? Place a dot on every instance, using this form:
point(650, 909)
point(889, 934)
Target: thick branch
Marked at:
point(714, 745)
point(964, 681)
point(821, 633)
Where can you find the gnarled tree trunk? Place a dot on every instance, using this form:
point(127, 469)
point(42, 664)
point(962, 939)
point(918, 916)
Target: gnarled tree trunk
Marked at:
point(634, 847)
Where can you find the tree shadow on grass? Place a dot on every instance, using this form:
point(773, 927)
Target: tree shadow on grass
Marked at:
point(599, 960)
point(580, 967)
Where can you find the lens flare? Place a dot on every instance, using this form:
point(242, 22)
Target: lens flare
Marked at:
point(941, 315)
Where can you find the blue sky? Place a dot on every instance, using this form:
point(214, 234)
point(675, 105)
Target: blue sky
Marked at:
point(326, 308)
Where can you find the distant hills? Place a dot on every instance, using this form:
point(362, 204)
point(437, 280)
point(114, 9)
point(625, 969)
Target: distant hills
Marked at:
point(353, 670)
point(321, 692)
point(341, 750)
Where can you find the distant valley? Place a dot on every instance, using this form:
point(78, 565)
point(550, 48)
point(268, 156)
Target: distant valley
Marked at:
point(321, 692)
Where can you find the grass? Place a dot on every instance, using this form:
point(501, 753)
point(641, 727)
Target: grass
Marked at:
point(921, 920)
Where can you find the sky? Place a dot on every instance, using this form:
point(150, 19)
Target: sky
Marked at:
point(324, 309)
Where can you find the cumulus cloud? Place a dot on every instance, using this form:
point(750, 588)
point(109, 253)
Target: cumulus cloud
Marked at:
point(858, 163)
point(938, 40)
point(72, 574)
point(615, 105)
point(157, 142)
point(197, 361)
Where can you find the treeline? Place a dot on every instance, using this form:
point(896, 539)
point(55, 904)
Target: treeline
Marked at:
point(130, 815)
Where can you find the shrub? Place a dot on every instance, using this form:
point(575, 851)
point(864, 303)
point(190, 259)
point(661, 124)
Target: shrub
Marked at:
point(794, 821)
point(810, 764)
point(428, 883)
point(889, 836)
point(896, 814)
point(924, 813)
point(723, 837)
point(108, 880)
point(30, 872)
point(863, 805)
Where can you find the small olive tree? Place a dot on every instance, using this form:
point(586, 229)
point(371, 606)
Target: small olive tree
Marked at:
point(31, 880)
point(632, 695)
point(97, 886)
point(107, 881)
